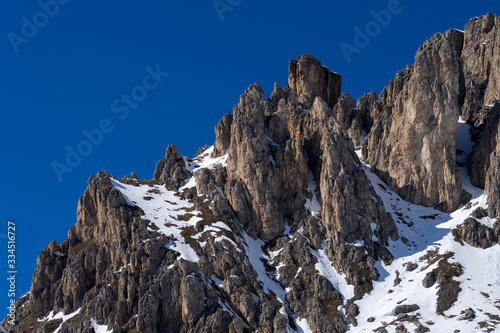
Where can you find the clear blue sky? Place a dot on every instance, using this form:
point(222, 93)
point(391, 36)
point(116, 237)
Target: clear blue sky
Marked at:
point(74, 71)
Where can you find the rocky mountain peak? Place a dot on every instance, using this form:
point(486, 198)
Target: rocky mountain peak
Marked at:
point(171, 170)
point(310, 213)
point(309, 79)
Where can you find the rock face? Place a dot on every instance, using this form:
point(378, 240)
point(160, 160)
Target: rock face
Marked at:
point(479, 160)
point(267, 181)
point(281, 192)
point(223, 133)
point(481, 59)
point(406, 308)
point(350, 118)
point(411, 144)
point(475, 234)
point(309, 79)
point(492, 180)
point(278, 225)
point(448, 288)
point(171, 170)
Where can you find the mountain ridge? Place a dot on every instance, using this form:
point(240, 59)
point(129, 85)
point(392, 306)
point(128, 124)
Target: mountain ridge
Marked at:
point(305, 211)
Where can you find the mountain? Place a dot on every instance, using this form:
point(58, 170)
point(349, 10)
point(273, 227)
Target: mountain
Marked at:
point(311, 212)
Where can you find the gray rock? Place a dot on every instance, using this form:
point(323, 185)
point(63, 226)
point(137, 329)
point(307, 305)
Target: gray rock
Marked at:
point(401, 329)
point(469, 314)
point(474, 233)
point(405, 308)
point(481, 66)
point(429, 279)
point(492, 188)
point(171, 170)
point(411, 266)
point(349, 118)
point(479, 213)
point(401, 316)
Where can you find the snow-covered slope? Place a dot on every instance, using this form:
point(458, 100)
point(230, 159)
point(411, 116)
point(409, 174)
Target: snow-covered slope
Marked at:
point(425, 238)
point(424, 231)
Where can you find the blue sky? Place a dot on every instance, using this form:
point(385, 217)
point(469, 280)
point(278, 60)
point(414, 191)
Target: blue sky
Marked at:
point(136, 76)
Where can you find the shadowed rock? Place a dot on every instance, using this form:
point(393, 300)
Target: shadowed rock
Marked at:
point(474, 233)
point(309, 79)
point(481, 66)
point(492, 188)
point(171, 170)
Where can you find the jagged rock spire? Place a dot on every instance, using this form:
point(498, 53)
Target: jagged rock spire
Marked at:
point(309, 79)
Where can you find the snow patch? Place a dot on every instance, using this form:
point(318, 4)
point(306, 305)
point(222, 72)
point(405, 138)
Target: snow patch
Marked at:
point(312, 205)
point(99, 328)
point(325, 268)
point(163, 208)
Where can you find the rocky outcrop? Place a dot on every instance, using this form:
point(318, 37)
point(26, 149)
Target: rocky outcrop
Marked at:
point(74, 274)
point(223, 135)
point(267, 181)
point(492, 182)
point(309, 79)
point(481, 57)
point(481, 64)
point(273, 145)
point(411, 145)
point(253, 234)
point(291, 184)
point(368, 111)
point(349, 117)
point(406, 308)
point(171, 170)
point(475, 234)
point(448, 288)
point(479, 161)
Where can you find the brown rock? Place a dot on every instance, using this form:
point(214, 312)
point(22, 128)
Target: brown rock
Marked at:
point(349, 118)
point(261, 173)
point(171, 170)
point(481, 59)
point(474, 233)
point(309, 79)
point(223, 135)
point(411, 146)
